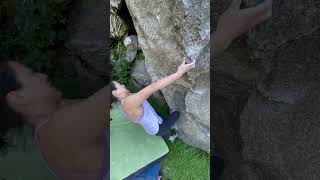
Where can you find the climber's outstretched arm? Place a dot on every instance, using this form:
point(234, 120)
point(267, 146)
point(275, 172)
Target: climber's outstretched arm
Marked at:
point(235, 22)
point(138, 98)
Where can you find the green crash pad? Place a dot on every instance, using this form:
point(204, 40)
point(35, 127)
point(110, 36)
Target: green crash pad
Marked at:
point(131, 148)
point(23, 162)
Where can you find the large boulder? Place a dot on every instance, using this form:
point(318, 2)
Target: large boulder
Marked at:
point(140, 75)
point(132, 45)
point(88, 38)
point(118, 27)
point(168, 31)
point(274, 131)
point(142, 79)
point(283, 116)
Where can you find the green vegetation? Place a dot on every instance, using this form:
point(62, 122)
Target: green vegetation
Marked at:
point(184, 161)
point(31, 32)
point(121, 69)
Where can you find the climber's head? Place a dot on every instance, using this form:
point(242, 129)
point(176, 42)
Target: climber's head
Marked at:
point(24, 95)
point(118, 91)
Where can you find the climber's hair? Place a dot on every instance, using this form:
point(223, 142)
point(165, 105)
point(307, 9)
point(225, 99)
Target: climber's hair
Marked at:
point(9, 118)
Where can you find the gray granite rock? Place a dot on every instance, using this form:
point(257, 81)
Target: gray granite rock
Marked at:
point(280, 123)
point(87, 41)
point(132, 45)
point(274, 134)
point(142, 79)
point(140, 74)
point(117, 4)
point(168, 31)
point(118, 27)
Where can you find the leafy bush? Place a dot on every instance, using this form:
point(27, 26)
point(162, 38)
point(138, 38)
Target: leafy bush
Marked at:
point(31, 32)
point(121, 69)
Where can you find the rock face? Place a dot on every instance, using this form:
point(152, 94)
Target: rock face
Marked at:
point(118, 28)
point(274, 134)
point(140, 74)
point(117, 4)
point(168, 31)
point(142, 79)
point(132, 45)
point(88, 38)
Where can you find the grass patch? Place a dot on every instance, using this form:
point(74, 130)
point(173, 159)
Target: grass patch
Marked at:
point(186, 162)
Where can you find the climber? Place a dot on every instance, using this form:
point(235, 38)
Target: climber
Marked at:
point(72, 139)
point(235, 22)
point(137, 108)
